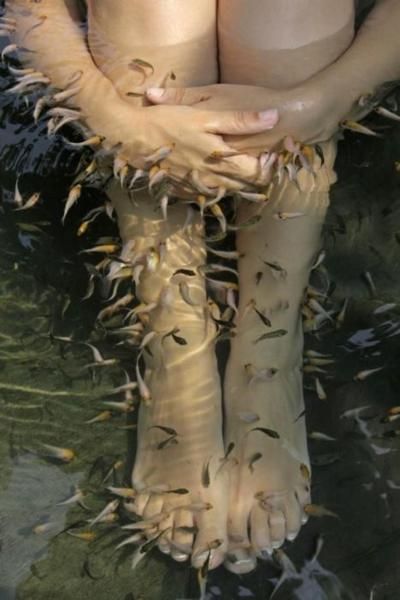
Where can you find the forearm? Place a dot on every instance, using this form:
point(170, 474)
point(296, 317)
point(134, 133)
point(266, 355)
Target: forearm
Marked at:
point(372, 60)
point(57, 48)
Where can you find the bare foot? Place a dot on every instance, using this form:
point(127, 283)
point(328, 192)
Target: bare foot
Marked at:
point(270, 482)
point(180, 443)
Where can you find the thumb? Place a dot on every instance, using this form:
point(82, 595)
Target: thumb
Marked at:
point(186, 96)
point(240, 122)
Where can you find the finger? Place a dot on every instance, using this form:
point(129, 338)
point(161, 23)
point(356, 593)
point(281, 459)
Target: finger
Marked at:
point(241, 122)
point(186, 96)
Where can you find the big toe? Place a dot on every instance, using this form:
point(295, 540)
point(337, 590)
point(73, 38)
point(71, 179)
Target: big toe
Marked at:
point(210, 539)
point(240, 561)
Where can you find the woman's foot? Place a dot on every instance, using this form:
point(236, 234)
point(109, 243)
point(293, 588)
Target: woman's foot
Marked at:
point(181, 493)
point(270, 482)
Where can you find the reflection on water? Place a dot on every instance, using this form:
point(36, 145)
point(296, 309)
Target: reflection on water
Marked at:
point(46, 397)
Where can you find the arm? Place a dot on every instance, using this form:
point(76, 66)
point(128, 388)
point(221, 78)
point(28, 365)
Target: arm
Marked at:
point(312, 111)
point(58, 50)
point(372, 60)
point(57, 47)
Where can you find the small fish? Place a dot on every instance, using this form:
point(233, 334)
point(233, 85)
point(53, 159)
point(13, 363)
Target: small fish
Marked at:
point(73, 196)
point(42, 528)
point(144, 391)
point(205, 474)
point(218, 213)
point(370, 282)
point(94, 140)
point(64, 454)
point(111, 507)
point(86, 536)
point(283, 216)
point(384, 308)
point(170, 440)
point(275, 267)
point(229, 255)
point(159, 155)
point(271, 335)
point(194, 507)
point(168, 430)
point(259, 276)
point(153, 541)
point(30, 203)
point(77, 498)
point(122, 492)
point(9, 49)
point(253, 459)
point(253, 197)
point(315, 510)
point(390, 418)
point(179, 491)
point(320, 259)
point(269, 432)
point(361, 375)
point(102, 249)
point(317, 435)
point(263, 318)
point(394, 410)
point(301, 415)
point(202, 576)
point(136, 538)
point(341, 316)
point(384, 112)
point(305, 472)
point(358, 128)
point(105, 415)
point(320, 390)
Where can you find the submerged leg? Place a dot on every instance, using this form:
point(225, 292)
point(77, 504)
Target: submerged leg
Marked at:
point(270, 483)
point(180, 419)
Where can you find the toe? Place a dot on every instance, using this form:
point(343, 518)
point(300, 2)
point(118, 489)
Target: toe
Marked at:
point(183, 534)
point(154, 506)
point(303, 497)
point(166, 525)
point(140, 503)
point(211, 536)
point(277, 527)
point(240, 561)
point(293, 514)
point(259, 531)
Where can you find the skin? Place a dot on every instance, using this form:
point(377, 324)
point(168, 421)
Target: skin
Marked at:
point(307, 115)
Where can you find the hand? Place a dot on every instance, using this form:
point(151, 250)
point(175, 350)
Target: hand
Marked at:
point(193, 137)
point(305, 113)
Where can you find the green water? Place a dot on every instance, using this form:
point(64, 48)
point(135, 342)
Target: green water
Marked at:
point(46, 396)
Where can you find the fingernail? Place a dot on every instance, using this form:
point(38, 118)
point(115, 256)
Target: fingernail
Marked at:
point(269, 116)
point(156, 92)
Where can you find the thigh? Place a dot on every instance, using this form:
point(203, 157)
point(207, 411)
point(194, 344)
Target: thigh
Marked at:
point(280, 44)
point(176, 37)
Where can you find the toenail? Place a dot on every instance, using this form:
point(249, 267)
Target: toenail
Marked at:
point(180, 556)
point(304, 519)
point(164, 548)
point(201, 557)
point(292, 536)
point(277, 545)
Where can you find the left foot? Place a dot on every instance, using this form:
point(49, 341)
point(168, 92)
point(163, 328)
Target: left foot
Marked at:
point(270, 480)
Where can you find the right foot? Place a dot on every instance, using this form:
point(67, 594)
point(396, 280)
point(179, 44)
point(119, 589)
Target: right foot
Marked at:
point(180, 427)
point(186, 398)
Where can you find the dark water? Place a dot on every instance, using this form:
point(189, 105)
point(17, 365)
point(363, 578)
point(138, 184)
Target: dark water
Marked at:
point(46, 396)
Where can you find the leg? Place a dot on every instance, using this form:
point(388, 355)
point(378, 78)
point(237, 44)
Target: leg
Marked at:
point(263, 384)
point(183, 380)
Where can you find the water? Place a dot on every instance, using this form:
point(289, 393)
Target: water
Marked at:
point(46, 396)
